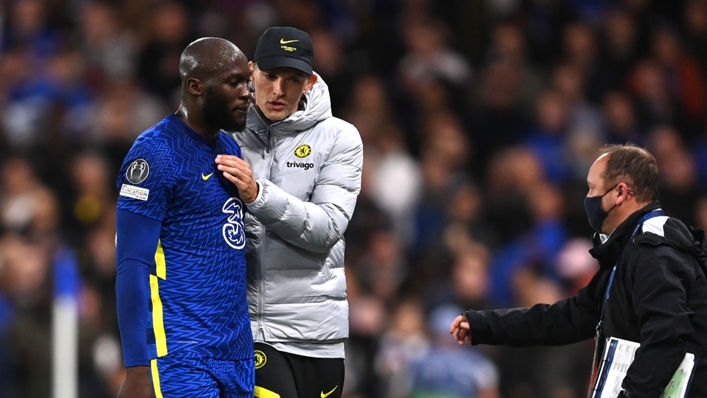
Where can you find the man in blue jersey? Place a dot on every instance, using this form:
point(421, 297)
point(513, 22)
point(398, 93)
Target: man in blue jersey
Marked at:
point(181, 283)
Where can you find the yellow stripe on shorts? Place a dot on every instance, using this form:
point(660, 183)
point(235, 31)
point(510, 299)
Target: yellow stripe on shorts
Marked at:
point(261, 392)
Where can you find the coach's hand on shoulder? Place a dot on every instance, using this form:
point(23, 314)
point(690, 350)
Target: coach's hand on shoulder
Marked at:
point(239, 173)
point(137, 384)
point(460, 330)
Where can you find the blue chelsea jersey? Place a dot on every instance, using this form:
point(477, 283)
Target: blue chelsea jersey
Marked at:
point(198, 283)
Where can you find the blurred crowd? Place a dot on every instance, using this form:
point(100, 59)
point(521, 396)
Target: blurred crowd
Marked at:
point(480, 119)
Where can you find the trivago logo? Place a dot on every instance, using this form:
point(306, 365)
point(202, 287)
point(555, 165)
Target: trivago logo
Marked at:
point(305, 166)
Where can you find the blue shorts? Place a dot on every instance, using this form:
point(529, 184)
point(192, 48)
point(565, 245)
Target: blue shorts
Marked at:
point(177, 376)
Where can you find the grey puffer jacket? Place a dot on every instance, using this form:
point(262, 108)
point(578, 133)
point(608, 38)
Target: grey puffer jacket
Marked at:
point(308, 167)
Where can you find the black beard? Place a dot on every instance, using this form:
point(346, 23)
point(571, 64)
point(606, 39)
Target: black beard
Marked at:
point(216, 113)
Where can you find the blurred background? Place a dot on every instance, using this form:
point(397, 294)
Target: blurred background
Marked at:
point(480, 119)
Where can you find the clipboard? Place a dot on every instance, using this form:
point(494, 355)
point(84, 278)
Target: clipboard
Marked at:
point(615, 361)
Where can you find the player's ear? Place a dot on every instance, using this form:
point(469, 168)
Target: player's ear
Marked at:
point(194, 86)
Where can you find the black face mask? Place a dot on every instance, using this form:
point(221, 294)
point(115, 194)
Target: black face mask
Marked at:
point(595, 214)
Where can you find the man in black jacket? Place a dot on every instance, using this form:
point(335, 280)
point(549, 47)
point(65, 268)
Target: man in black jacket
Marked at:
point(650, 288)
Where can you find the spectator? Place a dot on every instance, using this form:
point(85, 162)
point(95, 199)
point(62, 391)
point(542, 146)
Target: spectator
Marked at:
point(86, 77)
point(449, 370)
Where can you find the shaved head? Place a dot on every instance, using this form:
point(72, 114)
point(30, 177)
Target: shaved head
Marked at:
point(215, 91)
point(207, 55)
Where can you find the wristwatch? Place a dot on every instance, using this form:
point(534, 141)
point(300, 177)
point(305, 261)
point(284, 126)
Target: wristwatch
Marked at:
point(623, 394)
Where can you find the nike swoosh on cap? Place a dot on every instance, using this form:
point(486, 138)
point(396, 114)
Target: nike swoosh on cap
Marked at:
point(283, 41)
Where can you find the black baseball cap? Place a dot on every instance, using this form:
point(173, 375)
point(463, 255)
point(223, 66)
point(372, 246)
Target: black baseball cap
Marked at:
point(285, 47)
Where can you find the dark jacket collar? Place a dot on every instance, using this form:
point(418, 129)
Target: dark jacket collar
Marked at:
point(608, 252)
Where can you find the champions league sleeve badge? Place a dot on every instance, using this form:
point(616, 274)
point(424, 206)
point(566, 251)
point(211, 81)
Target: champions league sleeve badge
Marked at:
point(137, 171)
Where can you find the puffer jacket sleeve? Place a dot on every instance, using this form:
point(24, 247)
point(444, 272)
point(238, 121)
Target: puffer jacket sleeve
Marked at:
point(317, 225)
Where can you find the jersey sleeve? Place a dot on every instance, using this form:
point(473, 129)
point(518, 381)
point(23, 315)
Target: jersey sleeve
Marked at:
point(146, 178)
point(136, 241)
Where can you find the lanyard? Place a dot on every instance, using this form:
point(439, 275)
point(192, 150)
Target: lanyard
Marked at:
point(648, 216)
point(654, 213)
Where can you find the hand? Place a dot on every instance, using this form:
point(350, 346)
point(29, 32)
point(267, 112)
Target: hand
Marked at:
point(137, 384)
point(460, 330)
point(238, 172)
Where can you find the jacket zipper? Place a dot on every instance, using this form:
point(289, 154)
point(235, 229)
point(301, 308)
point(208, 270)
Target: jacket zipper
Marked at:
point(261, 300)
point(267, 137)
point(261, 288)
point(267, 145)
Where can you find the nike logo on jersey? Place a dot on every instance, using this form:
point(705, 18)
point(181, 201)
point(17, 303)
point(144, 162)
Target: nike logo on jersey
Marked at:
point(206, 177)
point(324, 395)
